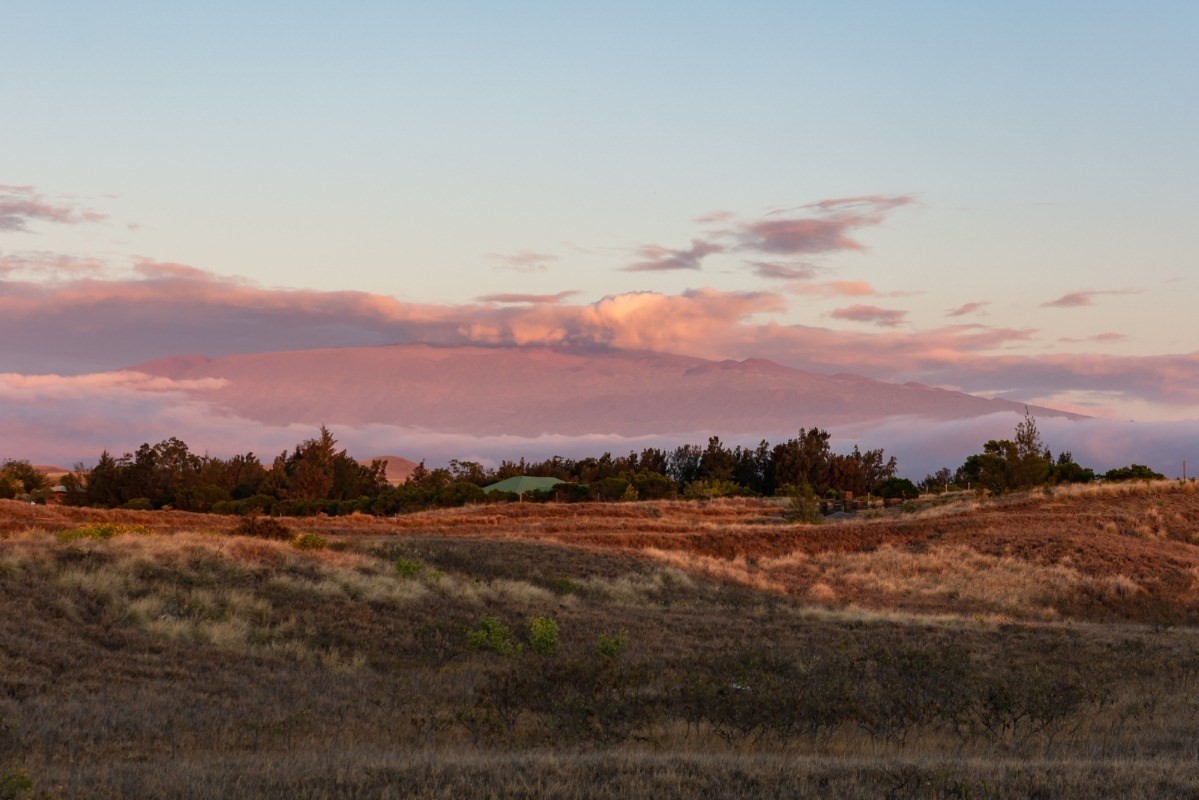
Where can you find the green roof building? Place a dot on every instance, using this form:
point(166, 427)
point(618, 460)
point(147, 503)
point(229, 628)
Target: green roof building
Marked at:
point(520, 484)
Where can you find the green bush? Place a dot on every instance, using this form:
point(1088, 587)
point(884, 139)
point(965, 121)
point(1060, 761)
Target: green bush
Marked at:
point(612, 646)
point(310, 541)
point(493, 635)
point(543, 635)
point(138, 504)
point(1133, 472)
point(408, 568)
point(897, 488)
point(804, 506)
point(564, 586)
point(15, 785)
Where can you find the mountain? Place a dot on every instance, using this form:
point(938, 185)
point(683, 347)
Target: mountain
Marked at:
point(398, 469)
point(541, 390)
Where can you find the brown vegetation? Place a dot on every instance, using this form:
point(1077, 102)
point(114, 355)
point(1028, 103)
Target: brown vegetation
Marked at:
point(977, 648)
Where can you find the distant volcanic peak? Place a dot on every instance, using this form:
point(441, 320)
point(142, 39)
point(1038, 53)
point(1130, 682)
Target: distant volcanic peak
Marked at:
point(398, 468)
point(479, 391)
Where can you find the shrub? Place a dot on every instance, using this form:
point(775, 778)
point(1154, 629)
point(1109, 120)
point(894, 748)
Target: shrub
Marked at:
point(15, 785)
point(612, 646)
point(262, 528)
point(408, 568)
point(493, 635)
point(543, 635)
point(804, 506)
point(310, 541)
point(564, 586)
point(101, 531)
point(897, 488)
point(1133, 472)
point(138, 504)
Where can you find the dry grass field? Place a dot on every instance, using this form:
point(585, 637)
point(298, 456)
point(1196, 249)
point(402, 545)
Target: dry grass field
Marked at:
point(1033, 646)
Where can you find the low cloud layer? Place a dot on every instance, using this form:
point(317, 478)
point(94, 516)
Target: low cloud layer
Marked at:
point(62, 420)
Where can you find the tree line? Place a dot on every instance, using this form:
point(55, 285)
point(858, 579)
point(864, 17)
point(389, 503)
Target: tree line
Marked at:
point(317, 477)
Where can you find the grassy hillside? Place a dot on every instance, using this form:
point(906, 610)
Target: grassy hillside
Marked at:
point(1039, 646)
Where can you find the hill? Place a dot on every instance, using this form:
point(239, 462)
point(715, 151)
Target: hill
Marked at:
point(1033, 646)
point(537, 390)
point(398, 469)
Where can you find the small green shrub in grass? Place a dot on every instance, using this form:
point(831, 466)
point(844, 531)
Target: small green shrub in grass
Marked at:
point(16, 785)
point(493, 635)
point(543, 635)
point(310, 541)
point(101, 531)
point(564, 586)
point(612, 646)
point(409, 568)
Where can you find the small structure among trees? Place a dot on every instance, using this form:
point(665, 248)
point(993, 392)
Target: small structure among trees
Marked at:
point(520, 484)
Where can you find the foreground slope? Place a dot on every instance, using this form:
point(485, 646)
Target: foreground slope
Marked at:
point(178, 659)
point(536, 390)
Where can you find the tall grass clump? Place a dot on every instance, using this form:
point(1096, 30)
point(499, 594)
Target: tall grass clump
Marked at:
point(262, 528)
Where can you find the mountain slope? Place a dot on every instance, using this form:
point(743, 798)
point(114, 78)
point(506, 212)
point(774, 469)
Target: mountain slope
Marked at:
point(537, 390)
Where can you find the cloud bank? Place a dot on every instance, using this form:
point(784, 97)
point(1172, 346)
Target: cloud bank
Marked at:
point(91, 324)
point(65, 419)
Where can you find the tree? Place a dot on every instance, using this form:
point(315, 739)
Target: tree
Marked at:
point(1067, 470)
point(1031, 467)
point(683, 464)
point(1008, 465)
point(717, 462)
point(20, 477)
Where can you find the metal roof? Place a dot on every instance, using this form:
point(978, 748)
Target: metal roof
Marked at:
point(520, 484)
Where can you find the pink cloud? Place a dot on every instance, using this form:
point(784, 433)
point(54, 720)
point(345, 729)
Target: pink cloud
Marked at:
point(782, 271)
point(968, 308)
point(1084, 298)
point(534, 299)
point(1109, 336)
point(883, 317)
point(20, 205)
point(662, 259)
point(839, 289)
point(52, 266)
point(523, 260)
point(822, 227)
point(715, 217)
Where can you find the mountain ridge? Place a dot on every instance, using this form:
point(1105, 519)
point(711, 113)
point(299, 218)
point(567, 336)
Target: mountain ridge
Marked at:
point(533, 391)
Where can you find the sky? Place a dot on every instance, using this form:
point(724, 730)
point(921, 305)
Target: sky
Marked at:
point(998, 198)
